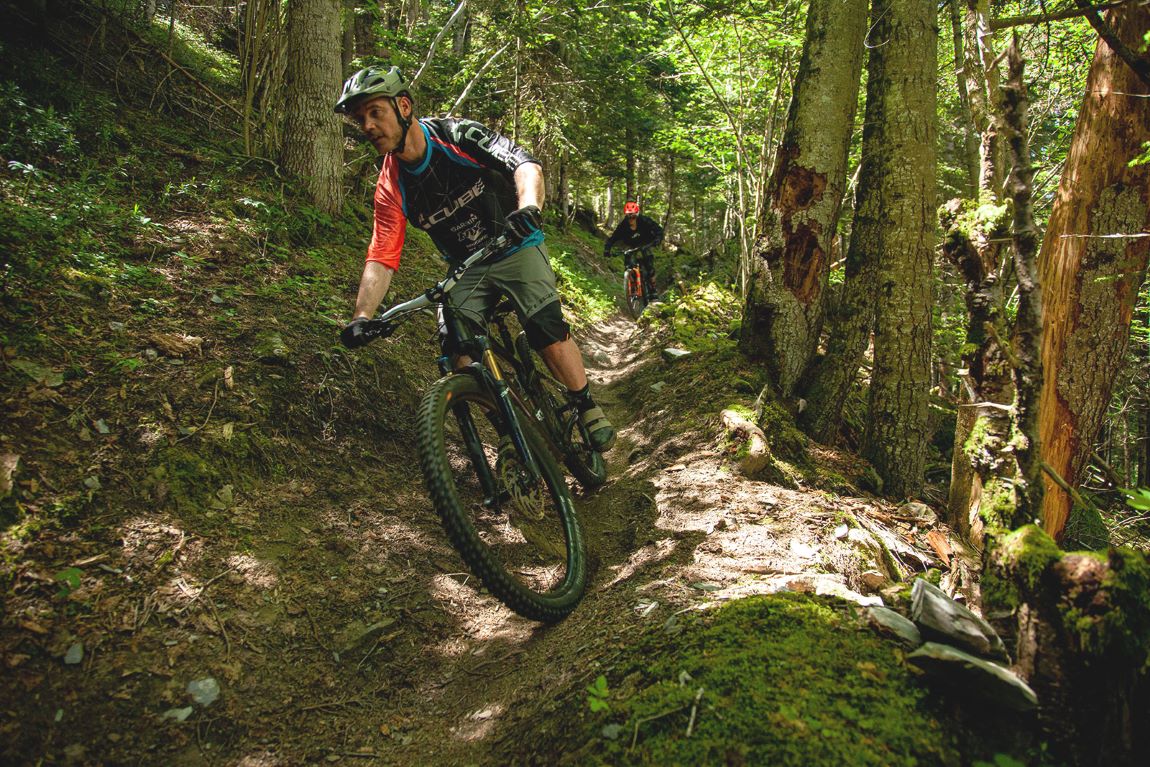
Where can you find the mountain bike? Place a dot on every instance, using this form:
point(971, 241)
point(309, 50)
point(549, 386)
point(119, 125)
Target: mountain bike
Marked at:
point(490, 434)
point(634, 292)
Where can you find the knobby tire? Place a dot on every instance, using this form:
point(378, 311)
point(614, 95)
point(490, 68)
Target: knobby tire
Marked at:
point(485, 537)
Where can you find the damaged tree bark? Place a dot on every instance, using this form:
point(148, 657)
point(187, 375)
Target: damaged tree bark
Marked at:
point(791, 258)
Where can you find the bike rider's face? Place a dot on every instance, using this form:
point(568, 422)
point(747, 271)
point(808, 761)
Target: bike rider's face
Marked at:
point(376, 118)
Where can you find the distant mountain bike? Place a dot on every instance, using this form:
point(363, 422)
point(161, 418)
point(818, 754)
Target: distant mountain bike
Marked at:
point(489, 437)
point(634, 293)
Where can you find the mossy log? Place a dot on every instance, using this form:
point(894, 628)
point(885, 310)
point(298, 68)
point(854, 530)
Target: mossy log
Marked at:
point(1081, 637)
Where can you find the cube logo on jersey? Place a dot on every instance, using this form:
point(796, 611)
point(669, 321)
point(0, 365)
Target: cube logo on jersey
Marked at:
point(490, 142)
point(427, 220)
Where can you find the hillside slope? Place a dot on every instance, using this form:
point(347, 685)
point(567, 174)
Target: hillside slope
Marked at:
point(217, 548)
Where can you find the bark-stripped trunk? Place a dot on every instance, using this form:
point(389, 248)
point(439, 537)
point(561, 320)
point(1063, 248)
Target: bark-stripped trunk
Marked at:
point(904, 64)
point(313, 143)
point(790, 262)
point(1093, 259)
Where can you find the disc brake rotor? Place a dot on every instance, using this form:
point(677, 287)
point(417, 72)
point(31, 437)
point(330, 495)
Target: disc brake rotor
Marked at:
point(529, 500)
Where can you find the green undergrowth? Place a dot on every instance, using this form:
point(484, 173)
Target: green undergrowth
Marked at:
point(781, 680)
point(702, 316)
point(588, 297)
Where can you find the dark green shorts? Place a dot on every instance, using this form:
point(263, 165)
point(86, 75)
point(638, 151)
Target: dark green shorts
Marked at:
point(527, 278)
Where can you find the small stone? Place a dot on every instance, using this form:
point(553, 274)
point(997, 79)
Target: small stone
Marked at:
point(943, 619)
point(116, 326)
point(204, 691)
point(976, 676)
point(151, 354)
point(670, 354)
point(892, 624)
point(919, 511)
point(842, 531)
point(874, 580)
point(658, 386)
point(179, 714)
point(75, 654)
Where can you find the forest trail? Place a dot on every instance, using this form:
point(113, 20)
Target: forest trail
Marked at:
point(673, 530)
point(318, 614)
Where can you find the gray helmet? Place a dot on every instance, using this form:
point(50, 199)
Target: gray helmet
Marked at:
point(372, 81)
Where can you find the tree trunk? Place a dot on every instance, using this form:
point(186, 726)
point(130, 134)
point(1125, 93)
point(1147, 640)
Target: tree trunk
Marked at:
point(1093, 260)
point(904, 65)
point(1028, 325)
point(347, 20)
point(970, 141)
point(790, 263)
point(672, 180)
point(313, 143)
point(632, 191)
point(461, 38)
point(974, 242)
point(981, 71)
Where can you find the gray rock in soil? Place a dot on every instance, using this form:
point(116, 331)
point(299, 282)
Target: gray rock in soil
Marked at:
point(941, 618)
point(670, 354)
point(204, 691)
point(920, 511)
point(179, 714)
point(894, 625)
point(271, 349)
point(976, 676)
point(75, 654)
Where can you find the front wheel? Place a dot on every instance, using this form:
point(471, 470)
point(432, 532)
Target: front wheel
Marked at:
point(520, 536)
point(633, 290)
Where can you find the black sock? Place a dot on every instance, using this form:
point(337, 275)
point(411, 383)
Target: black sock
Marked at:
point(582, 398)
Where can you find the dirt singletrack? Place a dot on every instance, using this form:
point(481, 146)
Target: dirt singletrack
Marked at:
point(330, 621)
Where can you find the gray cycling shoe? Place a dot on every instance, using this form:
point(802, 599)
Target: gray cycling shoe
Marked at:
point(601, 431)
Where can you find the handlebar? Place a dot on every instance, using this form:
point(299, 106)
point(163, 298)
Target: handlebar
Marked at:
point(387, 323)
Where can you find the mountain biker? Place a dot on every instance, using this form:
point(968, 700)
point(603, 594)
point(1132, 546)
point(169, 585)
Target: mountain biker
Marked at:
point(463, 184)
point(638, 231)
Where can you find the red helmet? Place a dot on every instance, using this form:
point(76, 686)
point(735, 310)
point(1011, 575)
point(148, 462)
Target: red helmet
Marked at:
point(630, 208)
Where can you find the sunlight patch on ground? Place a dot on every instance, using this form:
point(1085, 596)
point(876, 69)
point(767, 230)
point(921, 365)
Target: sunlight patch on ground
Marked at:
point(479, 723)
point(650, 553)
point(485, 619)
point(254, 571)
point(264, 759)
point(148, 543)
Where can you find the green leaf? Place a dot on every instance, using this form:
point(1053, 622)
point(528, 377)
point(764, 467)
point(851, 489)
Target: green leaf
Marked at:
point(1137, 498)
point(69, 579)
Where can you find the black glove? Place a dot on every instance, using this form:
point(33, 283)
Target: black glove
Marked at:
point(606, 251)
point(524, 222)
point(352, 335)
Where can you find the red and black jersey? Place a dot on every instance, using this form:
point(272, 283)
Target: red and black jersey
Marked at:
point(460, 193)
point(646, 233)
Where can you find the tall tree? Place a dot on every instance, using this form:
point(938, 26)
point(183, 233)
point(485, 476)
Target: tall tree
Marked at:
point(791, 259)
point(903, 76)
point(1093, 258)
point(312, 142)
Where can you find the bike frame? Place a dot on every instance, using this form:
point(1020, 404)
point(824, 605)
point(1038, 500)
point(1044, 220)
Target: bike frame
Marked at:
point(484, 365)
